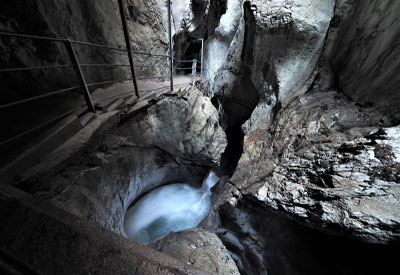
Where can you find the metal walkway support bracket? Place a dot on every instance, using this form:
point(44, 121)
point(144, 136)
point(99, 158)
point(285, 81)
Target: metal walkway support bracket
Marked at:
point(79, 71)
point(128, 45)
point(171, 57)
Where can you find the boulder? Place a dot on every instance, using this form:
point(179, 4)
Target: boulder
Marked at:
point(198, 248)
point(185, 127)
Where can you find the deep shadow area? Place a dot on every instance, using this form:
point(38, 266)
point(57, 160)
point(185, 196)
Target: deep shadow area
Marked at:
point(233, 151)
point(192, 52)
point(274, 244)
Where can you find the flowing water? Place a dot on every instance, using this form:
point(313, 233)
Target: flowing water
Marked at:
point(169, 208)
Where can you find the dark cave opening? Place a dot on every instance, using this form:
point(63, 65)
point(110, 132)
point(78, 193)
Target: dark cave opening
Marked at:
point(192, 52)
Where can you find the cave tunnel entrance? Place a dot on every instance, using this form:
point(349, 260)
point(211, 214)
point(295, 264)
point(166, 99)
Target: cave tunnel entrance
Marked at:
point(193, 51)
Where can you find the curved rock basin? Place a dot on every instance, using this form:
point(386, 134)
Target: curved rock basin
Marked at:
point(173, 207)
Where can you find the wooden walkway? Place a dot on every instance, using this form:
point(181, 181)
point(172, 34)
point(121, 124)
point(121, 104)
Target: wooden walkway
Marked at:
point(61, 142)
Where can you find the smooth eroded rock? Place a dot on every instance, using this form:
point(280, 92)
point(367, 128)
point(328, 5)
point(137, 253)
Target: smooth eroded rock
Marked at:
point(186, 127)
point(327, 163)
point(200, 249)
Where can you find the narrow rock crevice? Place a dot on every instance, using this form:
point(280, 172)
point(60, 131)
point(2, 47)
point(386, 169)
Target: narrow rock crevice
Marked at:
point(206, 17)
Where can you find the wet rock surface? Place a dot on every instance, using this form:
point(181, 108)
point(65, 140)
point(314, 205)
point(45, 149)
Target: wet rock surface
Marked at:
point(136, 157)
point(264, 241)
point(327, 162)
point(200, 249)
point(186, 127)
point(288, 39)
point(363, 50)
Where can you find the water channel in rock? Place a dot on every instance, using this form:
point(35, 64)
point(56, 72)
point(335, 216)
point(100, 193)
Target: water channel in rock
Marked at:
point(172, 207)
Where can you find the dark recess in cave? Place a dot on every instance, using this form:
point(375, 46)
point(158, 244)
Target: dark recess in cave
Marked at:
point(191, 53)
point(284, 246)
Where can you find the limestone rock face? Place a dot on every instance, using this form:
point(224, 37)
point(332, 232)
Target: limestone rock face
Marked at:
point(329, 164)
point(200, 249)
point(272, 56)
point(219, 44)
point(184, 127)
point(364, 52)
point(148, 29)
point(289, 36)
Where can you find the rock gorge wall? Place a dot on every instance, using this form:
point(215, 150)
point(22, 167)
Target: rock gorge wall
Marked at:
point(310, 153)
point(364, 52)
point(264, 128)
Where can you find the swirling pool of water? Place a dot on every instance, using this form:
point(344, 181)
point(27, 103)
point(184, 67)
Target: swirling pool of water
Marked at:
point(173, 207)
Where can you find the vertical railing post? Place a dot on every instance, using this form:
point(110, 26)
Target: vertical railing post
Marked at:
point(128, 45)
point(201, 57)
point(171, 61)
point(77, 65)
point(194, 71)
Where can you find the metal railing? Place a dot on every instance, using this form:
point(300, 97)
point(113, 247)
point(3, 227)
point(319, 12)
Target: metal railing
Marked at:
point(70, 46)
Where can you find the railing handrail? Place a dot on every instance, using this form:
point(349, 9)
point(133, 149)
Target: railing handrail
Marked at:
point(69, 44)
point(18, 35)
point(61, 40)
point(187, 61)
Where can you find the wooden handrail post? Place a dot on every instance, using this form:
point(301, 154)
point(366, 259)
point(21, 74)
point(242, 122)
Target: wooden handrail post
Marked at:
point(75, 61)
point(128, 45)
point(171, 60)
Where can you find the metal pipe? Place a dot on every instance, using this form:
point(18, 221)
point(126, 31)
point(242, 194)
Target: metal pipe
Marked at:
point(128, 45)
point(34, 68)
point(39, 126)
point(98, 45)
point(74, 59)
point(104, 65)
point(58, 40)
point(108, 82)
point(184, 61)
point(151, 54)
point(151, 66)
point(31, 36)
point(154, 77)
point(37, 97)
point(171, 60)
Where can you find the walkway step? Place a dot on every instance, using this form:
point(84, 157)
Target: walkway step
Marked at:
point(163, 92)
point(62, 154)
point(141, 105)
point(132, 100)
point(148, 96)
point(57, 134)
point(182, 91)
point(115, 105)
point(86, 118)
point(105, 103)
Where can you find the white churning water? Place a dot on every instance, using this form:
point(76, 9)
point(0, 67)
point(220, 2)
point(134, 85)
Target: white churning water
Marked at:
point(169, 208)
